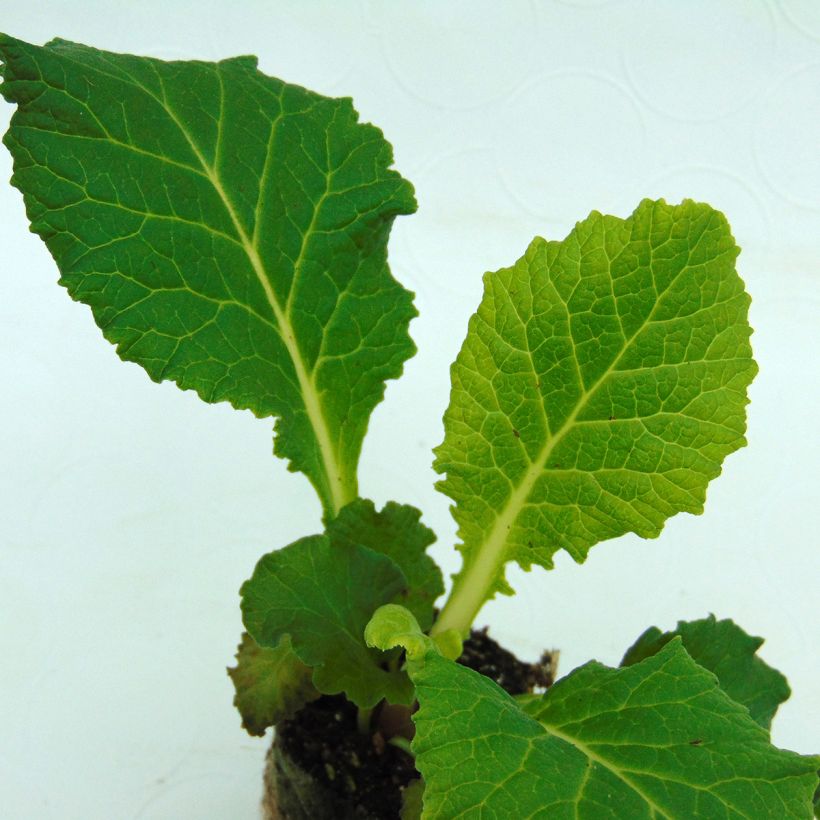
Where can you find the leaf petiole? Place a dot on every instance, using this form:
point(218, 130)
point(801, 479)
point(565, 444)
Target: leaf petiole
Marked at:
point(363, 717)
point(401, 743)
point(469, 593)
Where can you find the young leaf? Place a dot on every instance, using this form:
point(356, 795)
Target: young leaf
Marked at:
point(322, 597)
point(411, 800)
point(656, 740)
point(727, 651)
point(601, 384)
point(271, 684)
point(395, 531)
point(228, 230)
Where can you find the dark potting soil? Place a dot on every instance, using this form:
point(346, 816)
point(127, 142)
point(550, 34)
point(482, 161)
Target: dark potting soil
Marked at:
point(487, 656)
point(324, 767)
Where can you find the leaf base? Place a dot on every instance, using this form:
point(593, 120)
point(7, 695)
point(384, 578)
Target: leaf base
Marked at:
point(320, 766)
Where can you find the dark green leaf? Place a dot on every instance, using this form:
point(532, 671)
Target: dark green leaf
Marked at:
point(659, 739)
point(228, 230)
point(322, 597)
point(725, 649)
point(395, 531)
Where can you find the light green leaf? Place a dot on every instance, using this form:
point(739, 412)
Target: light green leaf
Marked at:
point(395, 531)
point(601, 384)
point(228, 230)
point(271, 684)
point(412, 797)
point(393, 625)
point(656, 740)
point(726, 650)
point(322, 597)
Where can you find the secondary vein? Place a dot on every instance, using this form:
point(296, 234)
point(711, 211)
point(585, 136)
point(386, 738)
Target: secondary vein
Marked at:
point(338, 494)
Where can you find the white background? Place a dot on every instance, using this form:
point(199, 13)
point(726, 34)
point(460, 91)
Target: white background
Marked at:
point(131, 512)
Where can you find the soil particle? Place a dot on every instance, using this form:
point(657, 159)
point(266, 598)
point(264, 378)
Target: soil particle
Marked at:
point(356, 776)
point(320, 766)
point(485, 655)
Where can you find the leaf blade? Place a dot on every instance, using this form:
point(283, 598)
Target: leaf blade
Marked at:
point(601, 384)
point(322, 597)
point(271, 684)
point(228, 231)
point(659, 739)
point(396, 531)
point(727, 651)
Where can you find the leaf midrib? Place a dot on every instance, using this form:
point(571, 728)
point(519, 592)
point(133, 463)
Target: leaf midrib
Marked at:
point(620, 773)
point(477, 579)
point(519, 498)
point(339, 495)
point(313, 405)
point(544, 731)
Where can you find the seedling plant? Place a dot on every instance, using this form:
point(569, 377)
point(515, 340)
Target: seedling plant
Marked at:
point(229, 232)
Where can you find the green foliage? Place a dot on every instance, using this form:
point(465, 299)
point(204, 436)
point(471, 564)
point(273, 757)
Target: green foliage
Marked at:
point(412, 797)
point(657, 739)
point(228, 230)
point(271, 684)
point(601, 384)
point(727, 651)
point(322, 597)
point(319, 593)
point(395, 531)
point(393, 625)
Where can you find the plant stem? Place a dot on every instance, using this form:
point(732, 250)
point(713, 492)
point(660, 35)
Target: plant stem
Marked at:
point(473, 585)
point(460, 609)
point(471, 588)
point(363, 720)
point(401, 743)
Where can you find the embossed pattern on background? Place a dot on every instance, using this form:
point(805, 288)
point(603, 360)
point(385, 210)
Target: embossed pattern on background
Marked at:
point(511, 120)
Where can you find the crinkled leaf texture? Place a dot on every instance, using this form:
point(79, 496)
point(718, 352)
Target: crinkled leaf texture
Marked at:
point(228, 230)
point(601, 384)
point(659, 739)
point(322, 596)
point(395, 531)
point(727, 651)
point(271, 684)
point(318, 594)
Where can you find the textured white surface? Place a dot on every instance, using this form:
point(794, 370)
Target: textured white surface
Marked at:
point(131, 512)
